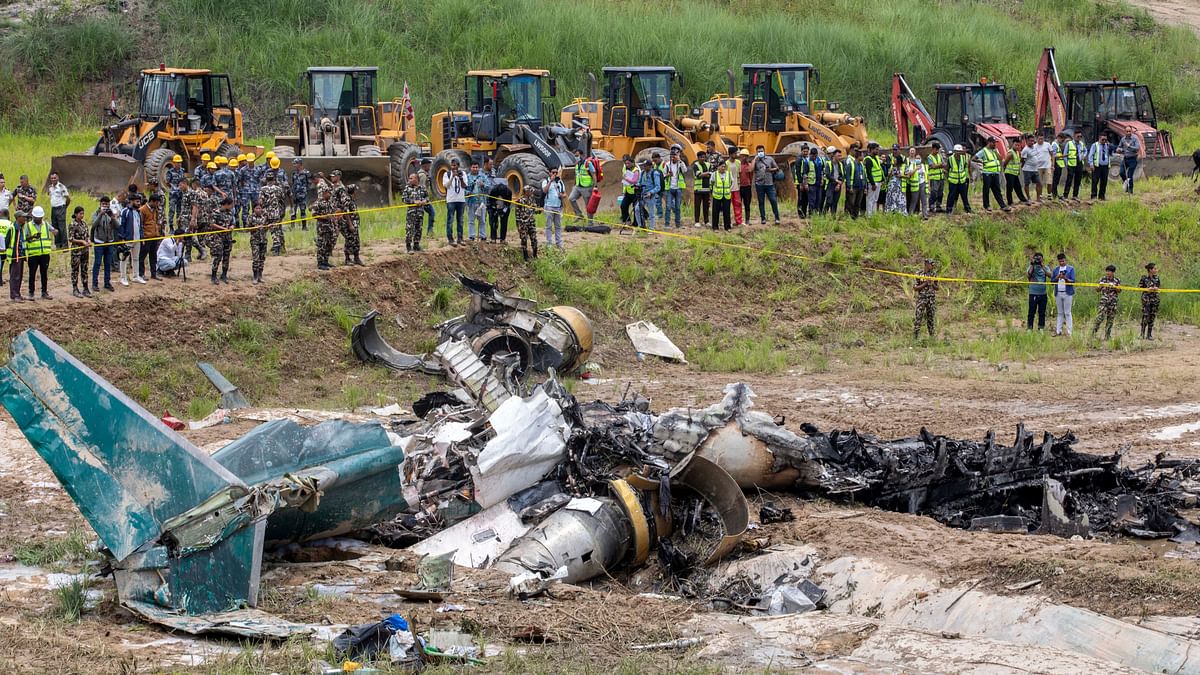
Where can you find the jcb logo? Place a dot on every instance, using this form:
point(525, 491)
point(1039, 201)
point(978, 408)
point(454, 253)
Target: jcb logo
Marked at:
point(144, 141)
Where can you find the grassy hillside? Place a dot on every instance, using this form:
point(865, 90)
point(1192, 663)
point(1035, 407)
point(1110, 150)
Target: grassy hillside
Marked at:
point(857, 45)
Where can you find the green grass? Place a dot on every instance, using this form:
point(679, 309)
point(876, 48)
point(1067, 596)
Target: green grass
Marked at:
point(856, 44)
point(55, 552)
point(70, 599)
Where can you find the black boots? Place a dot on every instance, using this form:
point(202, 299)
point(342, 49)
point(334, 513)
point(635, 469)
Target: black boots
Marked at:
point(358, 261)
point(214, 278)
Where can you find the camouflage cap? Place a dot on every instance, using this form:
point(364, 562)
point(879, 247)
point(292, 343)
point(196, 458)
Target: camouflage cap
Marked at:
point(335, 172)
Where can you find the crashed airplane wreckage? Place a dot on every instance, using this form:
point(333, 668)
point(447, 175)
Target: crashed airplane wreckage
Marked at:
point(532, 482)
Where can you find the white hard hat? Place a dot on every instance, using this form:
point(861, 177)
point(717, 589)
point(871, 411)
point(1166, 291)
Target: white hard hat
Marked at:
point(38, 212)
point(830, 150)
point(959, 148)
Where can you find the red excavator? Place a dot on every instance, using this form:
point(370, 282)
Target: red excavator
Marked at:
point(1097, 107)
point(967, 114)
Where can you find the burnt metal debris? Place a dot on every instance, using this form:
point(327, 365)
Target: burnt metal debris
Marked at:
point(520, 476)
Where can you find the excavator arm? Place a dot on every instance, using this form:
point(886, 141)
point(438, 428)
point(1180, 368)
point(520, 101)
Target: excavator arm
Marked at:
point(1048, 94)
point(908, 111)
point(668, 131)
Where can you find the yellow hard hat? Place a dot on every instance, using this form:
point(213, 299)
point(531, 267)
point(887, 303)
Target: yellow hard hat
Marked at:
point(205, 157)
point(210, 165)
point(241, 157)
point(177, 159)
point(274, 162)
point(270, 154)
point(233, 163)
point(250, 157)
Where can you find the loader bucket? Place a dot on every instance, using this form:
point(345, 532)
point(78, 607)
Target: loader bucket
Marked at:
point(1165, 167)
point(372, 175)
point(96, 174)
point(610, 187)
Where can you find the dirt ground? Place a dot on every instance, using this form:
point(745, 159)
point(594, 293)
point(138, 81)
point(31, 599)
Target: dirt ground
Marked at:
point(1144, 401)
point(1173, 12)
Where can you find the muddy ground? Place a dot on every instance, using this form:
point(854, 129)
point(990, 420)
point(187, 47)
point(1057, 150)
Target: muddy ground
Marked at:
point(1144, 401)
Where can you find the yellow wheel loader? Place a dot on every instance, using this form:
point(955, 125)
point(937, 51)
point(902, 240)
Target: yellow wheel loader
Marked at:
point(181, 111)
point(342, 126)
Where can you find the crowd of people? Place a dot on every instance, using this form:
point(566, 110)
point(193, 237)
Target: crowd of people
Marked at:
point(868, 181)
point(1059, 281)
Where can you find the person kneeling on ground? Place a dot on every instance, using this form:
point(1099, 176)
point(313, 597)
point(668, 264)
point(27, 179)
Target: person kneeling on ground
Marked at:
point(170, 257)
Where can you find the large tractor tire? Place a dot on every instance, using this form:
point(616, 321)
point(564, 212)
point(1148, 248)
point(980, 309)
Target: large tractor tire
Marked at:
point(229, 150)
point(406, 160)
point(648, 153)
point(523, 169)
point(157, 164)
point(369, 151)
point(441, 166)
point(943, 138)
point(284, 152)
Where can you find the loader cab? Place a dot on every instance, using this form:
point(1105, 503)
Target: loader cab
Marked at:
point(634, 97)
point(499, 99)
point(962, 106)
point(341, 93)
point(197, 100)
point(1092, 105)
point(774, 91)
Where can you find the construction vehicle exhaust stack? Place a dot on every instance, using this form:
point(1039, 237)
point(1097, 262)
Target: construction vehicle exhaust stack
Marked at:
point(506, 120)
point(342, 126)
point(1112, 107)
point(181, 111)
point(966, 114)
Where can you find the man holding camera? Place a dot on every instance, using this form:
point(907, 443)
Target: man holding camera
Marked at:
point(1037, 274)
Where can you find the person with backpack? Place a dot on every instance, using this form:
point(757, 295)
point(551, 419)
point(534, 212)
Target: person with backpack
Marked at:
point(630, 179)
point(554, 191)
point(651, 183)
point(676, 182)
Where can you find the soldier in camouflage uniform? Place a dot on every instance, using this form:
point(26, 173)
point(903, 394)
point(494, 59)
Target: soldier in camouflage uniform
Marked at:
point(260, 221)
point(1107, 309)
point(301, 180)
point(201, 167)
point(415, 196)
point(245, 189)
point(350, 227)
point(1149, 281)
point(226, 181)
point(220, 242)
point(273, 200)
point(187, 224)
point(176, 184)
point(80, 241)
point(926, 289)
point(206, 209)
point(323, 210)
point(527, 220)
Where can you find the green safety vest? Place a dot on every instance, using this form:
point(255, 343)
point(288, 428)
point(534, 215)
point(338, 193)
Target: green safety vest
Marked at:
point(583, 177)
point(38, 240)
point(1013, 168)
point(850, 170)
point(810, 168)
point(1058, 159)
point(875, 168)
point(722, 186)
point(6, 228)
point(913, 180)
point(1072, 153)
point(960, 169)
point(991, 161)
point(938, 173)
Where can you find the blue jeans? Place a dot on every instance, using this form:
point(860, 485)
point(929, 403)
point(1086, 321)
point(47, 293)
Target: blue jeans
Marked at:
point(659, 201)
point(476, 220)
point(1128, 168)
point(765, 193)
point(646, 213)
point(432, 217)
point(454, 212)
point(674, 203)
point(104, 253)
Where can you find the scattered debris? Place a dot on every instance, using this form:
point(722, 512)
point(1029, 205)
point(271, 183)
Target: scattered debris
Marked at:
point(769, 513)
point(680, 643)
point(231, 396)
point(1023, 585)
point(649, 339)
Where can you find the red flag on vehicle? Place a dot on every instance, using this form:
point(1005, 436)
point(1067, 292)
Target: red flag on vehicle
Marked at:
point(407, 104)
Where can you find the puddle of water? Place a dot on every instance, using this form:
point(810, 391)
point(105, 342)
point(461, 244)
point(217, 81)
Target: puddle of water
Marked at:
point(1175, 432)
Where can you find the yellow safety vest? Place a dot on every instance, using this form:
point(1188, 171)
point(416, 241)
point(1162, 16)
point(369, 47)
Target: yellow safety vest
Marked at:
point(6, 228)
point(811, 175)
point(1013, 168)
point(938, 173)
point(1072, 153)
point(960, 169)
point(874, 169)
point(38, 240)
point(583, 178)
point(991, 161)
point(1058, 158)
point(722, 186)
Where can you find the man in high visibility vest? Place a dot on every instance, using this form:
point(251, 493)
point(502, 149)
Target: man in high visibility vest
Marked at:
point(855, 176)
point(675, 175)
point(988, 160)
point(1076, 155)
point(6, 240)
point(1057, 148)
point(16, 256)
point(1012, 173)
point(834, 179)
point(935, 175)
point(39, 241)
point(722, 195)
point(875, 175)
point(958, 179)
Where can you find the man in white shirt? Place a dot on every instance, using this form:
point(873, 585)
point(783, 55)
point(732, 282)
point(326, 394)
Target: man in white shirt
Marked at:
point(1043, 155)
point(60, 198)
point(454, 183)
point(1029, 168)
point(5, 194)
